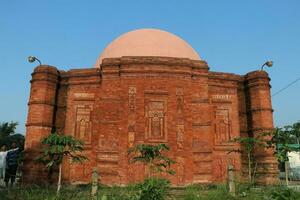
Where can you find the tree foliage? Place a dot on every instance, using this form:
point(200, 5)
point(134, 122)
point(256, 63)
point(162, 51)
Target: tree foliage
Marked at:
point(152, 156)
point(282, 139)
point(56, 147)
point(295, 132)
point(7, 129)
point(8, 135)
point(248, 145)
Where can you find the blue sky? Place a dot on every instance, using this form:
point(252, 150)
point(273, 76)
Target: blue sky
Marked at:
point(232, 36)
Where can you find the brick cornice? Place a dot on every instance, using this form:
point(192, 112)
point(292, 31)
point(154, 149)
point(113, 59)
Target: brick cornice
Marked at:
point(258, 84)
point(40, 124)
point(54, 81)
point(82, 73)
point(256, 75)
point(46, 69)
point(43, 102)
point(156, 92)
point(261, 109)
point(222, 85)
point(258, 129)
point(154, 60)
point(261, 129)
point(137, 66)
point(255, 110)
point(225, 76)
point(83, 82)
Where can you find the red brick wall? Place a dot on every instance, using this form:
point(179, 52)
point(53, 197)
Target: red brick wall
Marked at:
point(133, 100)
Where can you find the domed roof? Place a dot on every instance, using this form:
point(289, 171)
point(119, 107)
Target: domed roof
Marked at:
point(148, 42)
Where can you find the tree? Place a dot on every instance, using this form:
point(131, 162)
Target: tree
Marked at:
point(152, 156)
point(282, 139)
point(55, 148)
point(8, 135)
point(296, 131)
point(248, 145)
point(19, 139)
point(7, 128)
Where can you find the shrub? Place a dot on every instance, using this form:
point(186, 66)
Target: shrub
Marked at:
point(283, 193)
point(154, 189)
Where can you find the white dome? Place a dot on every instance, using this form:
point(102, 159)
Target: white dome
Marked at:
point(148, 42)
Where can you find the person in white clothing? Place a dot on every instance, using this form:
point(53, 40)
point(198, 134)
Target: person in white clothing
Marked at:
point(3, 154)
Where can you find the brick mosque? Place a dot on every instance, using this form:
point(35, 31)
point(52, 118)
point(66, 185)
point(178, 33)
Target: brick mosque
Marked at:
point(150, 86)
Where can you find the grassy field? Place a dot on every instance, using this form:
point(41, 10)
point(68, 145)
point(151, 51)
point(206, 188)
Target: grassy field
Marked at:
point(195, 192)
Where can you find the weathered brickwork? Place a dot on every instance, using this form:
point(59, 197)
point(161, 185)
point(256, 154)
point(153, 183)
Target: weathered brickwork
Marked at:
point(133, 100)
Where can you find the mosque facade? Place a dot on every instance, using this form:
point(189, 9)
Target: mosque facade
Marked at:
point(150, 86)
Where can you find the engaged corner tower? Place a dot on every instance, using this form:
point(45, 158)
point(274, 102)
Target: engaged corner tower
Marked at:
point(150, 86)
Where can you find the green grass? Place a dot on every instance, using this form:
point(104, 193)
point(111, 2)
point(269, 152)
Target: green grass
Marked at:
point(244, 192)
point(194, 192)
point(44, 193)
point(67, 193)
